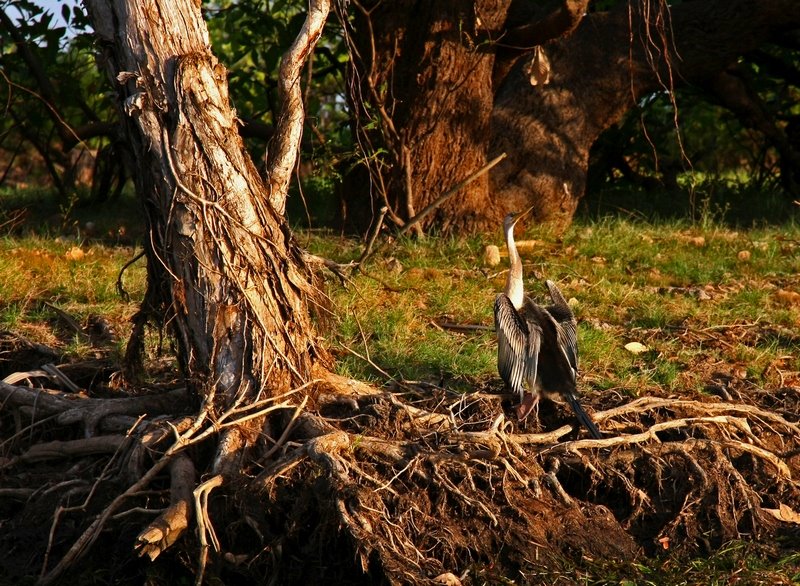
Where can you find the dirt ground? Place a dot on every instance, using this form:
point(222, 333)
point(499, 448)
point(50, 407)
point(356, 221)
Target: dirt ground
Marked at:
point(411, 485)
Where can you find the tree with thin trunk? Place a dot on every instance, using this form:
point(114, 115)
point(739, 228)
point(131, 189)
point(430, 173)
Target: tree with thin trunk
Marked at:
point(225, 274)
point(223, 268)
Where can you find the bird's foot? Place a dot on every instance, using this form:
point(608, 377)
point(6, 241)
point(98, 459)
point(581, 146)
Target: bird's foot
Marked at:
point(528, 404)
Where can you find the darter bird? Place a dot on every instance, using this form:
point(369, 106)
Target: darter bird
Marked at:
point(537, 347)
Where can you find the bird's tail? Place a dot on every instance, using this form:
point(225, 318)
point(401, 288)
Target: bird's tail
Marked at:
point(583, 417)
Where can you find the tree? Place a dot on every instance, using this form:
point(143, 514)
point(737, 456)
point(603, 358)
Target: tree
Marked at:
point(600, 64)
point(53, 102)
point(223, 269)
point(329, 477)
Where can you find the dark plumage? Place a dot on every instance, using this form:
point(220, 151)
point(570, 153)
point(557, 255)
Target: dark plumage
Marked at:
point(537, 347)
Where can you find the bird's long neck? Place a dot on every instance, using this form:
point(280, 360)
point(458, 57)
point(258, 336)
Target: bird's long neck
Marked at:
point(514, 287)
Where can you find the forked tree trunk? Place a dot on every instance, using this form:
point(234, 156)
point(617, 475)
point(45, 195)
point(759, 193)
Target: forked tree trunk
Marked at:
point(223, 267)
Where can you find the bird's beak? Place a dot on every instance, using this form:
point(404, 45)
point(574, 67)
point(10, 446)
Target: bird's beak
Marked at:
point(523, 214)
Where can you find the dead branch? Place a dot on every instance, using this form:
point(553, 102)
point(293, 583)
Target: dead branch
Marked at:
point(204, 526)
point(72, 408)
point(106, 444)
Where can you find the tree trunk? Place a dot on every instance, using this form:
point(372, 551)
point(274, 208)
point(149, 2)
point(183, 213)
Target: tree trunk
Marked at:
point(223, 267)
point(598, 74)
point(423, 93)
point(443, 102)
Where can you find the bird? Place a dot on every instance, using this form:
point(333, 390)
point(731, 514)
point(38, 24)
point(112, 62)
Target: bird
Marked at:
point(537, 347)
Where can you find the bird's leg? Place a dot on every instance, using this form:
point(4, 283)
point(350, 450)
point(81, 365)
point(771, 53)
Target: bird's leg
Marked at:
point(530, 402)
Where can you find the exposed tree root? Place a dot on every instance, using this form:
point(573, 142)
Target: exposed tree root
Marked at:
point(423, 483)
point(165, 530)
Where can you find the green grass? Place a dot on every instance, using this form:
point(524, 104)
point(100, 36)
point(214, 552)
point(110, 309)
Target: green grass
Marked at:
point(78, 278)
point(704, 298)
point(700, 298)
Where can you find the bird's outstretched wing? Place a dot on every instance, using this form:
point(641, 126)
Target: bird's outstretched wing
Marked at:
point(567, 333)
point(566, 325)
point(518, 344)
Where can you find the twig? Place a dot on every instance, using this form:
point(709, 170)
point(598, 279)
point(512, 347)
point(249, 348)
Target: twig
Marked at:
point(373, 235)
point(287, 429)
point(450, 192)
point(406, 154)
point(120, 287)
point(462, 327)
point(68, 319)
point(59, 376)
point(204, 526)
point(439, 201)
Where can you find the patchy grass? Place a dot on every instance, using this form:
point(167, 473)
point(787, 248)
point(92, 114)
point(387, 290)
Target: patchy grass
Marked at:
point(718, 310)
point(706, 302)
point(40, 276)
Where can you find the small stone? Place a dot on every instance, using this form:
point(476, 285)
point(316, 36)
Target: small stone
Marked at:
point(447, 579)
point(636, 347)
point(74, 253)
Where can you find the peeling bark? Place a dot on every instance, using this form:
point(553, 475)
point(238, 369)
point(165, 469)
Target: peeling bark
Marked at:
point(223, 268)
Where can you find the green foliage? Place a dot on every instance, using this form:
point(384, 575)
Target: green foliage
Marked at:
point(695, 157)
point(53, 87)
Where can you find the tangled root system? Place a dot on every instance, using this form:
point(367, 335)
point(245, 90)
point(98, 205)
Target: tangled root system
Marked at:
point(411, 485)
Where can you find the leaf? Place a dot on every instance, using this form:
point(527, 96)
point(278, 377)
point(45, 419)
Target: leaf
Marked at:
point(785, 513)
point(786, 297)
point(491, 255)
point(636, 347)
point(539, 68)
point(74, 253)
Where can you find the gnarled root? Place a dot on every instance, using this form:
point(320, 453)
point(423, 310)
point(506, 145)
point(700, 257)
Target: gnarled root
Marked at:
point(423, 482)
point(170, 525)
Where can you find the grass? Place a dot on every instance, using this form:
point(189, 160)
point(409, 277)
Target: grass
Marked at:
point(62, 255)
point(706, 300)
point(702, 299)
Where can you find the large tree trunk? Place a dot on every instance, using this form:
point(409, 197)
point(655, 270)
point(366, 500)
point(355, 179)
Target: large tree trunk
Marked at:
point(224, 271)
point(423, 93)
point(436, 81)
point(597, 75)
